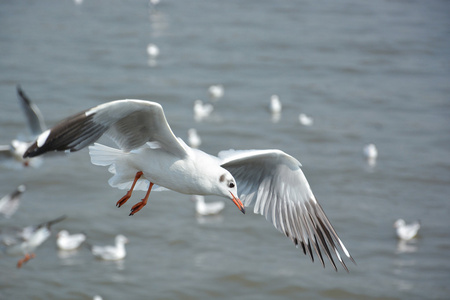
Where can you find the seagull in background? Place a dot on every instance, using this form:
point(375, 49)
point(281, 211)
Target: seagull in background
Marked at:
point(36, 126)
point(275, 108)
point(24, 241)
point(153, 53)
point(152, 50)
point(275, 104)
point(305, 120)
point(10, 203)
point(216, 91)
point(370, 153)
point(66, 241)
point(116, 252)
point(193, 138)
point(406, 231)
point(204, 209)
point(202, 111)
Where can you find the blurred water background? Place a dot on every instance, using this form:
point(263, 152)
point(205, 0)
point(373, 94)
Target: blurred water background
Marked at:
point(367, 72)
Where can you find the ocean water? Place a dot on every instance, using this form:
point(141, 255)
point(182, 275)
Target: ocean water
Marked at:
point(373, 72)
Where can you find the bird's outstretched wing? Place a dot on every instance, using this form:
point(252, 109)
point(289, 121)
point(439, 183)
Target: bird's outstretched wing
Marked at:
point(130, 123)
point(32, 113)
point(274, 184)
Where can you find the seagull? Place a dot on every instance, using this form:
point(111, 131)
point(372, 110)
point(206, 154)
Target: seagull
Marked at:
point(275, 104)
point(152, 50)
point(66, 241)
point(10, 203)
point(216, 91)
point(116, 252)
point(204, 209)
point(202, 111)
point(371, 153)
point(25, 240)
point(193, 138)
point(150, 154)
point(36, 125)
point(406, 231)
point(305, 120)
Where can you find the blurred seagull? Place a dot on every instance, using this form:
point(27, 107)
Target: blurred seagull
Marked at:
point(275, 108)
point(275, 104)
point(24, 241)
point(116, 252)
point(150, 154)
point(203, 209)
point(406, 231)
point(370, 153)
point(202, 111)
point(36, 125)
point(216, 91)
point(10, 203)
point(152, 50)
point(66, 241)
point(193, 138)
point(305, 120)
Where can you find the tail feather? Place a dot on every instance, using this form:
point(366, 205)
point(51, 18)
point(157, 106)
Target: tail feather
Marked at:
point(102, 155)
point(124, 173)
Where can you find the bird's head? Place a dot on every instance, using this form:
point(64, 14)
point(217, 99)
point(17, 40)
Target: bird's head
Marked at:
point(228, 189)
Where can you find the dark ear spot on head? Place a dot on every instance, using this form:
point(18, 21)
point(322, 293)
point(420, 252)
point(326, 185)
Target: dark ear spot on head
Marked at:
point(222, 178)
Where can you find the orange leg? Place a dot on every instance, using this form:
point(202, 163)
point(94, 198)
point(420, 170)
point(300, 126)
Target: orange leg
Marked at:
point(26, 258)
point(138, 206)
point(127, 196)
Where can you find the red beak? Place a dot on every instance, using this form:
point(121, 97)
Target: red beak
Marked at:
point(238, 203)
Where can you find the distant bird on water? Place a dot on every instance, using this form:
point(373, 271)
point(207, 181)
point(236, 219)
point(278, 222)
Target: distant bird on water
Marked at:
point(406, 231)
point(305, 120)
point(116, 252)
point(216, 91)
point(152, 50)
point(370, 153)
point(275, 104)
point(66, 241)
point(193, 138)
point(202, 111)
point(204, 209)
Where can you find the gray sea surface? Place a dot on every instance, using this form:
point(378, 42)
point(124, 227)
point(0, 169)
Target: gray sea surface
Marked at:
point(366, 72)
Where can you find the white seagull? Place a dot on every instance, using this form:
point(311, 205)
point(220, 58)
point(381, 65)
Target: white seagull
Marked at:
point(371, 153)
point(66, 241)
point(152, 50)
point(275, 104)
point(204, 209)
point(10, 202)
point(116, 252)
point(406, 231)
point(24, 241)
point(36, 125)
point(216, 91)
point(305, 120)
point(202, 111)
point(150, 154)
point(193, 138)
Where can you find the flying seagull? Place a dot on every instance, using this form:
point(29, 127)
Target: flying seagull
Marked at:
point(23, 241)
point(150, 154)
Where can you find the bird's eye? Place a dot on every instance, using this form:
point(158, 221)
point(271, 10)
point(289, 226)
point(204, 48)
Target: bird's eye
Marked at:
point(231, 185)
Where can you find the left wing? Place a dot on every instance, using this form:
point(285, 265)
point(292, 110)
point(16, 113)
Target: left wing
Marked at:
point(273, 182)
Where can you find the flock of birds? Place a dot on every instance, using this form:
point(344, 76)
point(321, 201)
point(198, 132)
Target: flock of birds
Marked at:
point(23, 241)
